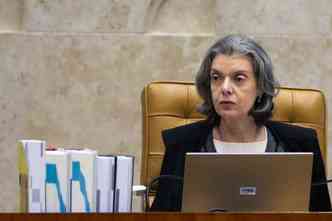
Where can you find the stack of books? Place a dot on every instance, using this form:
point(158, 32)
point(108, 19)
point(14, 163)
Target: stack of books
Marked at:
point(73, 180)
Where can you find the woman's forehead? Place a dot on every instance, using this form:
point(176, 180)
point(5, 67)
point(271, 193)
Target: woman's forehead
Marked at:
point(222, 61)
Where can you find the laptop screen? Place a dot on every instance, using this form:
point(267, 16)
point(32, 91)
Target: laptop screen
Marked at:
point(247, 182)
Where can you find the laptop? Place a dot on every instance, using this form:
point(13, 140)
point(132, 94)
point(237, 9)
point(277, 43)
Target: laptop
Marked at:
point(247, 182)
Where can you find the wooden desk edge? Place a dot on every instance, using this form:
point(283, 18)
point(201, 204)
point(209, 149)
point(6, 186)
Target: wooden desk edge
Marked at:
point(165, 216)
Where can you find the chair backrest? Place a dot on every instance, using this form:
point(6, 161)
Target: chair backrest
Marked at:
point(170, 104)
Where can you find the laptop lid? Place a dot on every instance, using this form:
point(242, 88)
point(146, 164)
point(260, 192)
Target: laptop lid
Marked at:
point(247, 182)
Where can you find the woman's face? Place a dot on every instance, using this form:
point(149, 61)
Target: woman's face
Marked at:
point(233, 86)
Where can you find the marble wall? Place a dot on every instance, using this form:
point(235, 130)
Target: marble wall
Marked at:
point(72, 72)
point(11, 15)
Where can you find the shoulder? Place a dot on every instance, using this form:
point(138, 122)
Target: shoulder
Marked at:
point(289, 131)
point(294, 138)
point(192, 132)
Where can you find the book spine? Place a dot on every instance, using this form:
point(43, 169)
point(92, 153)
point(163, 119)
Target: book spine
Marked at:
point(32, 175)
point(57, 185)
point(105, 183)
point(124, 183)
point(82, 182)
point(23, 178)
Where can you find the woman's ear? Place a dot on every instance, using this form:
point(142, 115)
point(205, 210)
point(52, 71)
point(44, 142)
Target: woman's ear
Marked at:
point(258, 99)
point(260, 93)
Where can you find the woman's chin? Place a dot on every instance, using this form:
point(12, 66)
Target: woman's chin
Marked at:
point(229, 116)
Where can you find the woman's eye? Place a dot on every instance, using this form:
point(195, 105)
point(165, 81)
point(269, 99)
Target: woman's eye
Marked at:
point(239, 78)
point(214, 77)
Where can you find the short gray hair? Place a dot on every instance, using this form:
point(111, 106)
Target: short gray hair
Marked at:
point(263, 70)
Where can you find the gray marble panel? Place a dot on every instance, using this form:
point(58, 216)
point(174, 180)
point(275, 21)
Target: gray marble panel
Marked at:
point(297, 17)
point(172, 16)
point(166, 16)
point(300, 61)
point(11, 14)
point(84, 15)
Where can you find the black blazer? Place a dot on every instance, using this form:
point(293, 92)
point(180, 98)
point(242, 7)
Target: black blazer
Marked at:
point(191, 137)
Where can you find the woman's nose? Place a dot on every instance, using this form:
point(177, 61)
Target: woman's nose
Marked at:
point(226, 87)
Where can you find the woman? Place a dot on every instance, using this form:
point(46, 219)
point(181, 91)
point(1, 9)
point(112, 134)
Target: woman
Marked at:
point(237, 86)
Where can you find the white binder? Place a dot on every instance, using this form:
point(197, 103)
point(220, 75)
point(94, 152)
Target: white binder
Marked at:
point(32, 175)
point(105, 183)
point(124, 183)
point(57, 181)
point(83, 180)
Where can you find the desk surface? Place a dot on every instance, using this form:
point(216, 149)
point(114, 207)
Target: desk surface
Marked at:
point(168, 216)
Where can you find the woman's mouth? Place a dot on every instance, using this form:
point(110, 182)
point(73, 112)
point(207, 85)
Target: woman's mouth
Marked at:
point(227, 102)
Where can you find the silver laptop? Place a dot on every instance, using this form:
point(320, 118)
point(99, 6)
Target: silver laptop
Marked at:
point(247, 182)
